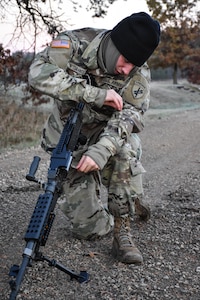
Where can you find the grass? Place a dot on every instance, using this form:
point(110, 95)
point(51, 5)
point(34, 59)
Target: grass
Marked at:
point(19, 127)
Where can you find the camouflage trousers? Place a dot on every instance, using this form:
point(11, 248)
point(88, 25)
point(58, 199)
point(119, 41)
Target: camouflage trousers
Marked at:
point(87, 205)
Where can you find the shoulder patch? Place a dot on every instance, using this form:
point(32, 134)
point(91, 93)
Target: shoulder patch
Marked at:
point(60, 44)
point(138, 90)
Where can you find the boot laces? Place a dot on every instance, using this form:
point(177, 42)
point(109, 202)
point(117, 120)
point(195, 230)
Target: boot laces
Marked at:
point(124, 234)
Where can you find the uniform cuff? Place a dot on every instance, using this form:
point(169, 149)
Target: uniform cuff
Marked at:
point(94, 95)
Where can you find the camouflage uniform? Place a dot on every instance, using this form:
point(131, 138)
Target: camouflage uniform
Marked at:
point(67, 70)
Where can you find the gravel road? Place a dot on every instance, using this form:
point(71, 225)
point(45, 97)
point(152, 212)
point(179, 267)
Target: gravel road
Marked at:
point(169, 241)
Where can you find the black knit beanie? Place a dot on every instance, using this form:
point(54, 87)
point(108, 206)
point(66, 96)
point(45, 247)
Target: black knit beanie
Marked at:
point(136, 37)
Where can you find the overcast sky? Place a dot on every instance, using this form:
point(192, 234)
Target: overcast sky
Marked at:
point(117, 11)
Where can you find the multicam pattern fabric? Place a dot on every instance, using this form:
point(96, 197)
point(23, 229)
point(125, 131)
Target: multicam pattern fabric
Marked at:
point(68, 71)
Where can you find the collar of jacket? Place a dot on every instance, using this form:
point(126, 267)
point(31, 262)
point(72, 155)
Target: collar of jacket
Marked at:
point(90, 55)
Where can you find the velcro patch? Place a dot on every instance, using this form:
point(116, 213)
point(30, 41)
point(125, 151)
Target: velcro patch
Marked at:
point(60, 44)
point(138, 90)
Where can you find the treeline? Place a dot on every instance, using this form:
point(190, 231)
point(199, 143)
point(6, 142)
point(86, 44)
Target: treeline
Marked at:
point(14, 67)
point(179, 49)
point(180, 41)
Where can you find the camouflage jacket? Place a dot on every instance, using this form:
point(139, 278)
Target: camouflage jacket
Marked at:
point(68, 71)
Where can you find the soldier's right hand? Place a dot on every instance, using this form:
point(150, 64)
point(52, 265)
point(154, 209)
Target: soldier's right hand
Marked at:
point(87, 164)
point(113, 99)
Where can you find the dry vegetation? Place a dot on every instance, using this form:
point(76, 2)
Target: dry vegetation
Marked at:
point(19, 126)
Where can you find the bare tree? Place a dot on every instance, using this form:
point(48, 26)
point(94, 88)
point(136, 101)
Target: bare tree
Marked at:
point(39, 16)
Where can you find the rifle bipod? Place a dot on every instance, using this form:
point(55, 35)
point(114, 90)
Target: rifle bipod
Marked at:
point(15, 270)
point(82, 277)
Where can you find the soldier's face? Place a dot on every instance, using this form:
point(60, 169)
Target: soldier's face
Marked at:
point(123, 66)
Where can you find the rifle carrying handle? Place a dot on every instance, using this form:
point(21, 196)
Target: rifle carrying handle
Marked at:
point(33, 169)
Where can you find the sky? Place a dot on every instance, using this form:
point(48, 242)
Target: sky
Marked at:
point(117, 11)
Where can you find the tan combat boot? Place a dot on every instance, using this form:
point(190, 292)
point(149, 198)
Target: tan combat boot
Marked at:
point(123, 247)
point(142, 210)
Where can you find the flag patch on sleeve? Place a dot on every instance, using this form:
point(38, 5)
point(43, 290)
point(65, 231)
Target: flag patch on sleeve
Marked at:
point(60, 44)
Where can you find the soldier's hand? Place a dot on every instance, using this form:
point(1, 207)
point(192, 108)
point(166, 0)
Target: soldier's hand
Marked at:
point(87, 164)
point(114, 100)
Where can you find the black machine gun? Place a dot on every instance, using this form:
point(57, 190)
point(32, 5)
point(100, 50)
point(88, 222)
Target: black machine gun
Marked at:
point(43, 215)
